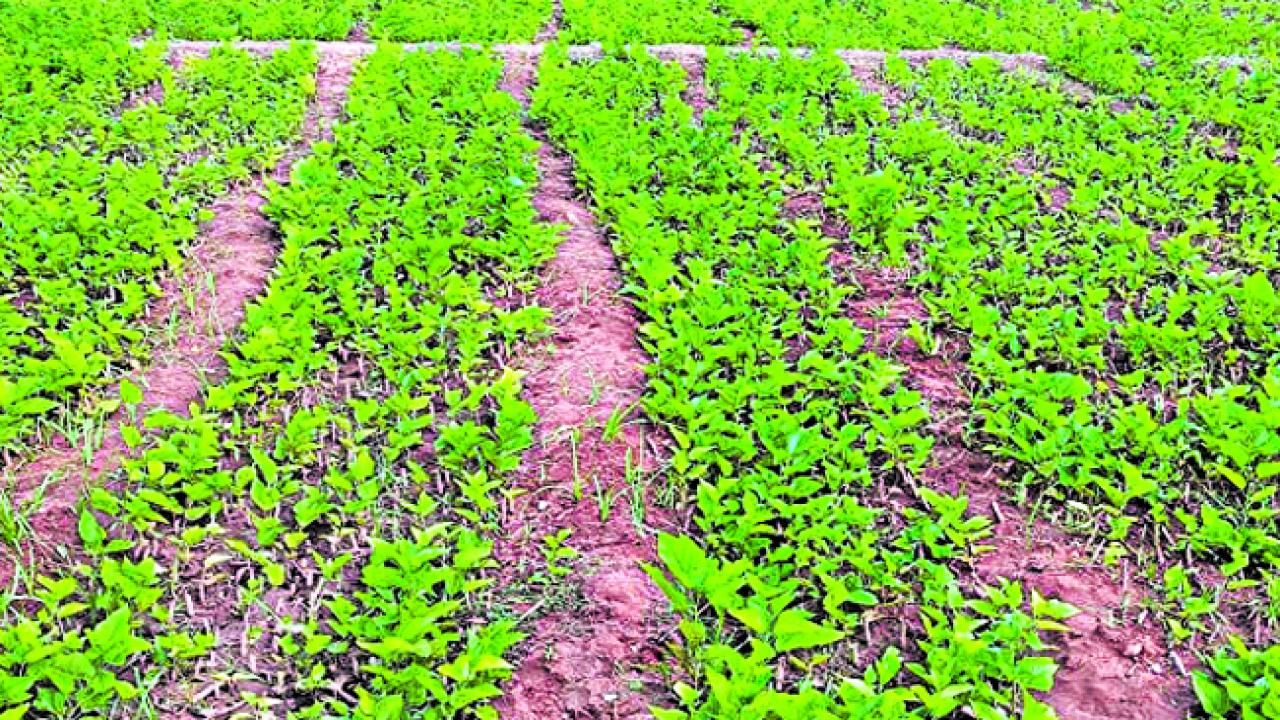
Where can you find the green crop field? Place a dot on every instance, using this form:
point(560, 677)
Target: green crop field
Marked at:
point(605, 359)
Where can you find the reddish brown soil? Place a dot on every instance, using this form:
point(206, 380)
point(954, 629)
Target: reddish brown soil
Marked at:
point(359, 33)
point(1078, 90)
point(151, 94)
point(551, 30)
point(1054, 198)
point(1225, 148)
point(1115, 664)
point(228, 265)
point(178, 55)
point(519, 71)
point(807, 205)
point(1059, 197)
point(886, 312)
point(596, 658)
point(695, 90)
point(1009, 61)
point(1023, 165)
point(811, 207)
point(870, 77)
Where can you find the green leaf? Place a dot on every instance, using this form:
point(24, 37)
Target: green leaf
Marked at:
point(15, 713)
point(113, 638)
point(130, 394)
point(1043, 607)
point(363, 466)
point(888, 666)
point(753, 617)
point(1033, 709)
point(1268, 470)
point(686, 561)
point(91, 532)
point(1036, 673)
point(274, 572)
point(1213, 697)
point(794, 631)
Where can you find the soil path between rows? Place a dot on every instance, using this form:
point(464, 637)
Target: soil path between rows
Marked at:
point(1115, 661)
point(695, 89)
point(228, 265)
point(549, 32)
point(601, 625)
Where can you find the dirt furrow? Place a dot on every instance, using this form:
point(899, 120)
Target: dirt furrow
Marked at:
point(549, 32)
point(150, 94)
point(695, 91)
point(228, 265)
point(693, 60)
point(1115, 662)
point(748, 45)
point(359, 33)
point(598, 625)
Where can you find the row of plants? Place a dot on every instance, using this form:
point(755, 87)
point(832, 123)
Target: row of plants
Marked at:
point(63, 76)
point(1214, 62)
point(1110, 261)
point(797, 452)
point(321, 20)
point(1158, 51)
point(646, 22)
point(250, 19)
point(1111, 268)
point(1114, 274)
point(110, 158)
point(1073, 32)
point(469, 21)
point(1146, 48)
point(397, 20)
point(314, 539)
